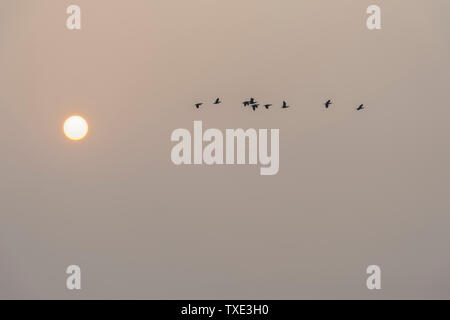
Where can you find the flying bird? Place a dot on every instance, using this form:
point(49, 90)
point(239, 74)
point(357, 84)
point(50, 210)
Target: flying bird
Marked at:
point(267, 106)
point(254, 106)
point(253, 101)
point(246, 103)
point(284, 106)
point(328, 103)
point(360, 107)
point(197, 105)
point(217, 101)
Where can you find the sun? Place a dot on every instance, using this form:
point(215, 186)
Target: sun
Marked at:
point(75, 128)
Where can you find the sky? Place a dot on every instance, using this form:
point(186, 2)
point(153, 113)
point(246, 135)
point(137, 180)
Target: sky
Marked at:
point(354, 188)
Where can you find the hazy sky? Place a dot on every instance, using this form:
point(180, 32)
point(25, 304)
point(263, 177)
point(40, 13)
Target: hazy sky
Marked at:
point(354, 188)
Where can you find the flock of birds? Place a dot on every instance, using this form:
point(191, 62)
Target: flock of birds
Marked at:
point(254, 104)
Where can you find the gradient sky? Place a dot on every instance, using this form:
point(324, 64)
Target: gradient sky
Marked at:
point(354, 188)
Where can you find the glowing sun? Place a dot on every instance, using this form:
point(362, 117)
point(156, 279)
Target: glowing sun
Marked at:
point(75, 128)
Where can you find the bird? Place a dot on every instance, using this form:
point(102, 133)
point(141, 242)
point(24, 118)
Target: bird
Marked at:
point(284, 106)
point(254, 106)
point(360, 107)
point(267, 106)
point(246, 103)
point(197, 105)
point(217, 101)
point(253, 101)
point(328, 103)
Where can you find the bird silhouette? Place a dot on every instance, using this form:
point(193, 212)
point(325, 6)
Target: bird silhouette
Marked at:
point(328, 103)
point(253, 101)
point(360, 107)
point(246, 103)
point(197, 105)
point(267, 106)
point(284, 106)
point(254, 106)
point(217, 101)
